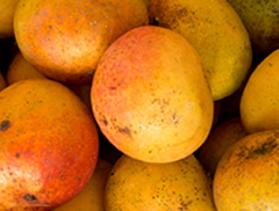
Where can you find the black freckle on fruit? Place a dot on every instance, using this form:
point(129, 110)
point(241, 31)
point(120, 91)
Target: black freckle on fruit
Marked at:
point(29, 197)
point(5, 124)
point(17, 155)
point(266, 147)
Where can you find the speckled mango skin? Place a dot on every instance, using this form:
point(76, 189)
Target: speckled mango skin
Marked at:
point(220, 139)
point(20, 69)
point(139, 186)
point(150, 97)
point(92, 196)
point(48, 147)
point(64, 39)
point(247, 176)
point(7, 8)
point(261, 20)
point(217, 33)
point(259, 102)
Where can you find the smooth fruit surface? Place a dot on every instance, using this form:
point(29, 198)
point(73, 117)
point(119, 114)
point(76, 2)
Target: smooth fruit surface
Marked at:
point(49, 144)
point(20, 69)
point(150, 97)
point(259, 108)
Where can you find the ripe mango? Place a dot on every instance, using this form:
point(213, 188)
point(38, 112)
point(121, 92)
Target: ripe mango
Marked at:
point(150, 96)
point(48, 147)
point(64, 39)
point(259, 108)
point(247, 175)
point(217, 33)
point(138, 186)
point(20, 69)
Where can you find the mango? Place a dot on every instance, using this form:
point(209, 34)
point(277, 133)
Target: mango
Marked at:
point(247, 175)
point(136, 186)
point(216, 32)
point(259, 108)
point(64, 39)
point(20, 69)
point(49, 144)
point(7, 8)
point(261, 21)
point(150, 96)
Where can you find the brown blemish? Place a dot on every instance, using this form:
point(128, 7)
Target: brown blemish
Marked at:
point(29, 197)
point(265, 148)
point(105, 121)
point(17, 155)
point(5, 124)
point(185, 205)
point(125, 130)
point(112, 88)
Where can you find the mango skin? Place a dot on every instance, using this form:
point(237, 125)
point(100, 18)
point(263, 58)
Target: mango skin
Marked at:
point(259, 102)
point(20, 69)
point(218, 142)
point(247, 175)
point(49, 144)
point(218, 35)
point(7, 8)
point(261, 21)
point(135, 185)
point(150, 97)
point(92, 196)
point(64, 39)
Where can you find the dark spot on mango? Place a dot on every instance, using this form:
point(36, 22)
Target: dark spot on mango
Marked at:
point(29, 197)
point(5, 124)
point(17, 155)
point(125, 130)
point(266, 147)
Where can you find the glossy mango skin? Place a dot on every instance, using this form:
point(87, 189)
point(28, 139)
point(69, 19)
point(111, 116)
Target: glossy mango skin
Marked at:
point(49, 144)
point(92, 196)
point(140, 186)
point(247, 175)
point(261, 21)
point(259, 102)
point(216, 32)
point(20, 69)
point(64, 39)
point(7, 8)
point(218, 142)
point(150, 97)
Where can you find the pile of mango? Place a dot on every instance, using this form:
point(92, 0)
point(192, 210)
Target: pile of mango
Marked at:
point(139, 105)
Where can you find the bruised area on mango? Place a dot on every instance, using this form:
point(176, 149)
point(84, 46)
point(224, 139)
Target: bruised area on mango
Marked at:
point(65, 39)
point(48, 147)
point(248, 174)
point(150, 97)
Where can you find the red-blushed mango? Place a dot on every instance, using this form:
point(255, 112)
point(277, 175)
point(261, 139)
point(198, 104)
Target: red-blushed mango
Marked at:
point(220, 139)
point(20, 69)
point(150, 97)
point(138, 186)
point(247, 175)
point(259, 105)
point(48, 147)
point(64, 39)
point(92, 196)
point(7, 8)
